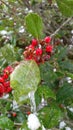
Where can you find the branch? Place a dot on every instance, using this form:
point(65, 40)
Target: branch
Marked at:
point(68, 20)
point(5, 3)
point(11, 11)
point(69, 123)
point(17, 124)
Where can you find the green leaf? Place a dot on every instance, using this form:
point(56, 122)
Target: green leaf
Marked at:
point(60, 54)
point(40, 128)
point(70, 75)
point(43, 91)
point(47, 74)
point(34, 24)
point(66, 65)
point(65, 93)
point(24, 126)
point(50, 116)
point(20, 118)
point(5, 106)
point(66, 7)
point(70, 114)
point(6, 123)
point(24, 79)
point(8, 54)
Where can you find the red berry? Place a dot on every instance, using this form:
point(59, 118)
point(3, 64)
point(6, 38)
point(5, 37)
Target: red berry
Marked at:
point(49, 48)
point(34, 42)
point(9, 89)
point(38, 51)
point(47, 39)
point(28, 113)
point(31, 47)
point(1, 94)
point(14, 114)
point(1, 90)
point(1, 80)
point(7, 84)
point(61, 106)
point(8, 70)
point(5, 70)
point(5, 76)
point(30, 57)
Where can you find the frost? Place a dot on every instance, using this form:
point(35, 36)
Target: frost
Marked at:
point(33, 122)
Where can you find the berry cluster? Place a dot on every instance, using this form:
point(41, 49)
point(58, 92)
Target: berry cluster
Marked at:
point(4, 81)
point(39, 51)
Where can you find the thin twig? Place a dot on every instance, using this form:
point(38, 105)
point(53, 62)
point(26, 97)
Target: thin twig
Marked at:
point(18, 124)
point(69, 123)
point(11, 11)
point(5, 3)
point(68, 20)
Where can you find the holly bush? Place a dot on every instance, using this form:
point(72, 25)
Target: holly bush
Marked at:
point(36, 87)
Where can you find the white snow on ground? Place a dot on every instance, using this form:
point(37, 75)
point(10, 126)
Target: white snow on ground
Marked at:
point(33, 122)
point(67, 128)
point(62, 125)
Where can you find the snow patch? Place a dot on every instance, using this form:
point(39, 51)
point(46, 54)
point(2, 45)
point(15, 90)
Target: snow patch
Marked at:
point(62, 125)
point(67, 128)
point(33, 122)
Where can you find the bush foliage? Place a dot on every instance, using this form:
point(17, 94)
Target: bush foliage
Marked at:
point(36, 70)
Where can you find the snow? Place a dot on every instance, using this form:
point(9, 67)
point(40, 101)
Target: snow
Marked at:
point(43, 128)
point(32, 101)
point(70, 108)
point(30, 11)
point(21, 29)
point(5, 96)
point(72, 32)
point(69, 80)
point(62, 125)
point(67, 128)
point(3, 32)
point(33, 122)
point(54, 70)
point(15, 106)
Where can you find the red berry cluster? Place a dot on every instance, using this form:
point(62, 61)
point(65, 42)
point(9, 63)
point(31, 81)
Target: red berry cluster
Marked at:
point(4, 81)
point(39, 50)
